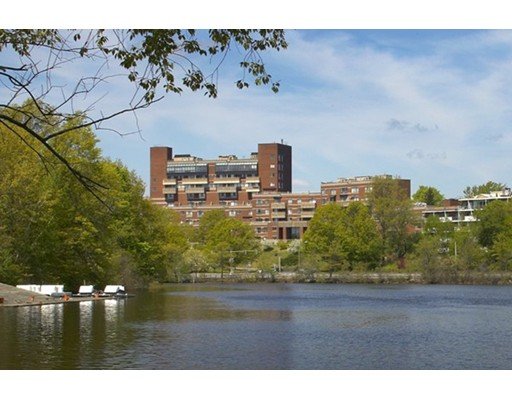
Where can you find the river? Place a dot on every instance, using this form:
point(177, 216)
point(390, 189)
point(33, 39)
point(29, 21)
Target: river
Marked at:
point(268, 326)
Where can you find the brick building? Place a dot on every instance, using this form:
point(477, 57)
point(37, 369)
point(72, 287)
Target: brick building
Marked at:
point(183, 179)
point(257, 189)
point(346, 190)
point(462, 211)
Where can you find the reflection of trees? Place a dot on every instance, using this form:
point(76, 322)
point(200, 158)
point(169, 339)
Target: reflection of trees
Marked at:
point(156, 329)
point(182, 306)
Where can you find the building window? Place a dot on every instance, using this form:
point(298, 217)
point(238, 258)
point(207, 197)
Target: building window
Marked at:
point(272, 165)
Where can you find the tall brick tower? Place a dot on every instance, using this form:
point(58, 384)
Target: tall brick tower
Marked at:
point(275, 167)
point(158, 172)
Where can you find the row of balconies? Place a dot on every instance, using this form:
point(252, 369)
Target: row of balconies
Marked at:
point(216, 181)
point(305, 205)
point(202, 189)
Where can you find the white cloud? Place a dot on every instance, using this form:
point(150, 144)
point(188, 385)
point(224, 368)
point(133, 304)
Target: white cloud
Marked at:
point(338, 98)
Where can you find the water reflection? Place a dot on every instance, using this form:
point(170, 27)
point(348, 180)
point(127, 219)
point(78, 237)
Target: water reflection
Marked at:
point(266, 327)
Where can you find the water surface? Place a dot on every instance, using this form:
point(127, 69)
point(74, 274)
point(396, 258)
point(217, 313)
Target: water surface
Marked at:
point(268, 326)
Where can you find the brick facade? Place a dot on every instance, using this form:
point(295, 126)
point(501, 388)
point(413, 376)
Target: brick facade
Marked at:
point(159, 156)
point(257, 190)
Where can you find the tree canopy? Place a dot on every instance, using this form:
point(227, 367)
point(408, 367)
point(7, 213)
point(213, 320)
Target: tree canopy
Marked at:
point(493, 220)
point(344, 236)
point(51, 230)
point(428, 195)
point(227, 239)
point(488, 187)
point(153, 61)
point(392, 210)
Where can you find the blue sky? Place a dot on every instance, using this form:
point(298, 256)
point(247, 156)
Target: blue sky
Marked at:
point(429, 105)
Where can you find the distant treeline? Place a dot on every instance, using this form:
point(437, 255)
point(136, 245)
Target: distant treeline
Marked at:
point(55, 229)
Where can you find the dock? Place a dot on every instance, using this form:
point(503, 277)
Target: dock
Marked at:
point(11, 296)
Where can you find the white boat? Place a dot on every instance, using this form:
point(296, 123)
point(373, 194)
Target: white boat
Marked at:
point(115, 291)
point(85, 291)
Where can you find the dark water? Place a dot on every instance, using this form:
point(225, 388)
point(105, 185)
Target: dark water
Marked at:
point(268, 326)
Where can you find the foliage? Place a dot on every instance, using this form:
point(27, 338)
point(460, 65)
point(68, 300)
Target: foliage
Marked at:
point(494, 232)
point(359, 236)
point(501, 252)
point(428, 254)
point(154, 57)
point(207, 222)
point(434, 226)
point(468, 255)
point(153, 62)
point(392, 210)
point(229, 240)
point(488, 187)
point(428, 195)
point(321, 235)
point(494, 219)
point(51, 230)
point(196, 260)
point(343, 237)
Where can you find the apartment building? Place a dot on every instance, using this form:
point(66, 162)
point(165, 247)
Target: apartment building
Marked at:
point(255, 189)
point(462, 211)
point(186, 180)
point(346, 190)
point(283, 215)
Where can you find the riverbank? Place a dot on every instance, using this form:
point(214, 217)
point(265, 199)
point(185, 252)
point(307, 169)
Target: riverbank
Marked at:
point(392, 278)
point(11, 296)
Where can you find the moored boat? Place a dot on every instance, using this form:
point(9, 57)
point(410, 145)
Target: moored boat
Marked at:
point(85, 291)
point(117, 291)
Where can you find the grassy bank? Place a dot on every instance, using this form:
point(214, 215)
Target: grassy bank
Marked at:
point(392, 278)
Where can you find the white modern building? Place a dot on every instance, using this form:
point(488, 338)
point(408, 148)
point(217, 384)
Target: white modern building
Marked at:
point(464, 210)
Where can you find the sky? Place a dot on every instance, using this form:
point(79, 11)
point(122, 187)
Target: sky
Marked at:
point(432, 106)
point(429, 105)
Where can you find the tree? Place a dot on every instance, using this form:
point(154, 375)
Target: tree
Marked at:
point(343, 236)
point(470, 256)
point(154, 61)
point(429, 257)
point(207, 222)
point(322, 236)
point(472, 191)
point(435, 248)
point(429, 195)
point(501, 251)
point(494, 219)
point(226, 240)
point(359, 236)
point(434, 226)
point(51, 230)
point(392, 210)
point(321, 232)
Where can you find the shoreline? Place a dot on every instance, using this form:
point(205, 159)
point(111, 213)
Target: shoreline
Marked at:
point(12, 296)
point(392, 278)
point(15, 297)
